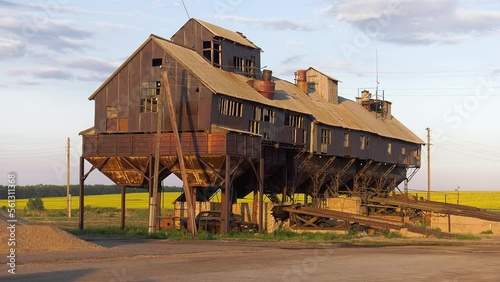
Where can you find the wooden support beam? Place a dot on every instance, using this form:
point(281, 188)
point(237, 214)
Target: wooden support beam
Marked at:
point(226, 198)
point(122, 215)
point(173, 120)
point(211, 168)
point(82, 193)
point(261, 195)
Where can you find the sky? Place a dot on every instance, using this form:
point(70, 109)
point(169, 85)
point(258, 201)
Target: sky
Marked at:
point(437, 62)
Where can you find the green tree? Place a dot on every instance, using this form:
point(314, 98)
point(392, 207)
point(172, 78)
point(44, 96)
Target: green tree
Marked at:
point(35, 204)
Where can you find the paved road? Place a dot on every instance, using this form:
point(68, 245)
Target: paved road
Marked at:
point(153, 260)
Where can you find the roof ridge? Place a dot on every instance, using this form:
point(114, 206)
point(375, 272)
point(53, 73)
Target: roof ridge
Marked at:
point(236, 36)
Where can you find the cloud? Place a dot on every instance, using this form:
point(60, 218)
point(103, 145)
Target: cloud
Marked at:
point(292, 59)
point(90, 64)
point(278, 24)
point(41, 73)
point(415, 21)
point(114, 25)
point(11, 48)
point(55, 35)
point(95, 69)
point(27, 83)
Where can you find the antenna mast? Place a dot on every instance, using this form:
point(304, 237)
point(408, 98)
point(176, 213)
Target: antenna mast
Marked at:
point(376, 66)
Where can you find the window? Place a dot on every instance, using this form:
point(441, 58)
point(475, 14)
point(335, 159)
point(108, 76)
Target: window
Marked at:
point(157, 62)
point(263, 114)
point(311, 87)
point(293, 120)
point(244, 66)
point(254, 127)
point(346, 140)
point(326, 136)
point(230, 108)
point(212, 52)
point(238, 64)
point(150, 90)
point(364, 140)
point(403, 150)
point(389, 148)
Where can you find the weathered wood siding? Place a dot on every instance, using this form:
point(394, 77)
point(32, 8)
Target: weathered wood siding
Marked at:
point(122, 94)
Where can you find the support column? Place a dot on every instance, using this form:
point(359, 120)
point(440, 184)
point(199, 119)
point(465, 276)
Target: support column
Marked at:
point(255, 205)
point(122, 219)
point(226, 198)
point(158, 206)
point(261, 195)
point(82, 192)
point(150, 194)
point(284, 180)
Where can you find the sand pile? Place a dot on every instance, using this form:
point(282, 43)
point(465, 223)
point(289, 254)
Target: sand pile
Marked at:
point(39, 238)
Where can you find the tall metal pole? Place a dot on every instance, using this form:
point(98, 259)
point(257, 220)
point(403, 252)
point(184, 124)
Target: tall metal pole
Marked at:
point(68, 193)
point(428, 164)
point(188, 192)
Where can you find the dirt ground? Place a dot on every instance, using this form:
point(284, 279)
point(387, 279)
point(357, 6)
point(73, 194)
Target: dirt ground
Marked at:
point(231, 260)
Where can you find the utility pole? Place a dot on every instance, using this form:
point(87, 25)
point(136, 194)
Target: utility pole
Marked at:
point(428, 164)
point(68, 193)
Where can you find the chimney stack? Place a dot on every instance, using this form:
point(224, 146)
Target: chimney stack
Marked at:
point(301, 80)
point(265, 86)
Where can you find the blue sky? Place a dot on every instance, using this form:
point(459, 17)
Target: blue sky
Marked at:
point(438, 63)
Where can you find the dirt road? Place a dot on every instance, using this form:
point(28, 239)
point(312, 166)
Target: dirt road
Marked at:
point(162, 260)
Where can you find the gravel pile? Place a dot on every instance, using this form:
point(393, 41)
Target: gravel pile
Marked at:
point(39, 238)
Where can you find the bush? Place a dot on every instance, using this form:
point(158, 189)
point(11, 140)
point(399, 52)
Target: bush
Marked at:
point(487, 232)
point(35, 204)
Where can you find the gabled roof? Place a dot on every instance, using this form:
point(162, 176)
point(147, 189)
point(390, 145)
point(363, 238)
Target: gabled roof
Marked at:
point(332, 78)
point(345, 114)
point(234, 36)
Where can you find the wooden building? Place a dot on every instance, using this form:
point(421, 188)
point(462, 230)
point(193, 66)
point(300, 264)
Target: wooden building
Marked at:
point(241, 128)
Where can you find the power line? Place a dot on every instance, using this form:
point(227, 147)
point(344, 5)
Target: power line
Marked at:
point(185, 9)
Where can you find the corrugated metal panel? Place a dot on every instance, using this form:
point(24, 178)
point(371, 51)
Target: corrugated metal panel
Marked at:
point(228, 34)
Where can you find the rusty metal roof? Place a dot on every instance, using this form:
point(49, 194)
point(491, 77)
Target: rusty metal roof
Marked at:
point(234, 36)
point(345, 114)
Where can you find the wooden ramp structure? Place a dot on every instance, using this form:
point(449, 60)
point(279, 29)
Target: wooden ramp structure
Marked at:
point(311, 218)
point(405, 202)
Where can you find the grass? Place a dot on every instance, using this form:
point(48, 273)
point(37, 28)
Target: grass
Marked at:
point(130, 230)
point(281, 235)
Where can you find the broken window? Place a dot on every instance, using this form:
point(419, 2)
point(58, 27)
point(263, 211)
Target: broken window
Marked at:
point(238, 64)
point(150, 91)
point(230, 108)
point(389, 148)
point(346, 140)
point(244, 66)
point(212, 51)
point(364, 142)
point(157, 62)
point(293, 120)
point(326, 136)
point(263, 114)
point(254, 127)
